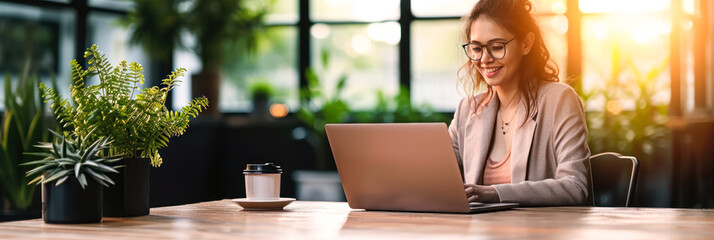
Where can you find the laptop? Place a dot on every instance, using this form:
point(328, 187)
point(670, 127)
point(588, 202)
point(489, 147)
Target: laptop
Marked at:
point(401, 167)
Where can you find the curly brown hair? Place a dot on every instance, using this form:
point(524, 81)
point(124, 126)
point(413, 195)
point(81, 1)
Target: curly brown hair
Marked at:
point(537, 66)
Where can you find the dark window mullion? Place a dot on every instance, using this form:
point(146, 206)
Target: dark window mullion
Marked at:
point(81, 9)
point(304, 24)
point(405, 68)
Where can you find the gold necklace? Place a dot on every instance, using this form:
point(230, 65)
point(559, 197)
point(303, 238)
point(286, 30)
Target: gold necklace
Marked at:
point(505, 124)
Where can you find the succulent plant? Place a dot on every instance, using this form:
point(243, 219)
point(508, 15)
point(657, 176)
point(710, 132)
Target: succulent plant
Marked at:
point(75, 156)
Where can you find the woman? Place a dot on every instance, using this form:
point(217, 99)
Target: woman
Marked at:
point(523, 139)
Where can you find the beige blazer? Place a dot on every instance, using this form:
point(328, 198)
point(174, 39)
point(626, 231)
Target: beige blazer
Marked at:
point(550, 158)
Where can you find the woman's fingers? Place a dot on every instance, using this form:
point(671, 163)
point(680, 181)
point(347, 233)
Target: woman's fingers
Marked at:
point(471, 192)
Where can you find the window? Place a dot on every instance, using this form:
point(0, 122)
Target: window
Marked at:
point(444, 8)
point(364, 39)
point(45, 35)
point(619, 58)
point(274, 63)
point(354, 11)
point(436, 57)
point(103, 29)
point(365, 53)
point(358, 46)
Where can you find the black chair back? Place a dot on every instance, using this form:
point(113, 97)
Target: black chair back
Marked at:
point(614, 179)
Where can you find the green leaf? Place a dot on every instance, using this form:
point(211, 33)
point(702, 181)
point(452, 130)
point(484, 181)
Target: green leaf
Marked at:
point(99, 176)
point(105, 168)
point(57, 173)
point(61, 180)
point(77, 167)
point(43, 161)
point(82, 180)
point(341, 83)
point(38, 170)
point(38, 154)
point(35, 180)
point(91, 150)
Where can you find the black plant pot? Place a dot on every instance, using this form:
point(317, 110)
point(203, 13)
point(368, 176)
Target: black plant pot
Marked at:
point(69, 203)
point(129, 197)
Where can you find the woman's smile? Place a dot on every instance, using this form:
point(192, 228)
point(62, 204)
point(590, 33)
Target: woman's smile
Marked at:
point(490, 72)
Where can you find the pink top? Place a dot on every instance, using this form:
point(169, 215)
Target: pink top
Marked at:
point(498, 172)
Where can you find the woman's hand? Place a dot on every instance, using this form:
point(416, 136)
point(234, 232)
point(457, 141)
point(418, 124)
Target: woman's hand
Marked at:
point(479, 193)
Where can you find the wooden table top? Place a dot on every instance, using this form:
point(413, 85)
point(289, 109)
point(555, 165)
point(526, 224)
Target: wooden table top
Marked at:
point(330, 220)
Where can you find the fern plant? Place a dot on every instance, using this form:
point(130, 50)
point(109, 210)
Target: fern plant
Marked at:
point(136, 119)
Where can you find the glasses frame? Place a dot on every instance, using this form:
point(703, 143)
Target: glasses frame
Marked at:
point(488, 49)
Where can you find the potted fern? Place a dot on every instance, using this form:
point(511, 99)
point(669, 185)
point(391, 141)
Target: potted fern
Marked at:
point(135, 119)
point(72, 174)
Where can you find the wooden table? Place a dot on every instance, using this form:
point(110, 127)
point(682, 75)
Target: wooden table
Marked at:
point(330, 220)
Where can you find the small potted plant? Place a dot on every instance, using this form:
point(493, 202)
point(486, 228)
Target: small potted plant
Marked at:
point(261, 93)
point(137, 121)
point(72, 174)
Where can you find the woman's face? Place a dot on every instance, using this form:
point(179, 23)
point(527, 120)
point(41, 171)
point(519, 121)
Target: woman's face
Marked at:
point(496, 72)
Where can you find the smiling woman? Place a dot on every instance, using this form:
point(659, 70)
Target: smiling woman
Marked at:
point(524, 139)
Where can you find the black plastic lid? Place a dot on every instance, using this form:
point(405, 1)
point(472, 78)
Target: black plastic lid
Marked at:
point(262, 168)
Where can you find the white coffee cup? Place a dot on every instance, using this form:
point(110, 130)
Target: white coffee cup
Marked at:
point(262, 181)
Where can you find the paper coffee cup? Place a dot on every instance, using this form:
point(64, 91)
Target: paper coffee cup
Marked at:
point(262, 181)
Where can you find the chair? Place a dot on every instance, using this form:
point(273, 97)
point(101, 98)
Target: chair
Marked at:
point(614, 179)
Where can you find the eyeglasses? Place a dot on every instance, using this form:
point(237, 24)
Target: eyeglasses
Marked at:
point(497, 50)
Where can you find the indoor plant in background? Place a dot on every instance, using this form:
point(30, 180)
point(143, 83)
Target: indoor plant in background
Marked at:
point(317, 109)
point(135, 119)
point(72, 174)
point(223, 29)
point(261, 92)
point(21, 126)
point(624, 117)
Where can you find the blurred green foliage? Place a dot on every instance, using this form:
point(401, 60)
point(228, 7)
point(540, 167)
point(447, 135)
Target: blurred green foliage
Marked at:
point(22, 127)
point(318, 109)
point(262, 89)
point(27, 41)
point(637, 130)
point(221, 27)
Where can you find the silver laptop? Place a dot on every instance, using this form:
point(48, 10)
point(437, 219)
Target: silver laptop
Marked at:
point(401, 167)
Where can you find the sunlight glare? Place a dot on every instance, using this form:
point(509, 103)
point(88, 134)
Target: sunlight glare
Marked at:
point(623, 6)
point(688, 6)
point(614, 107)
point(558, 8)
point(373, 10)
point(559, 24)
point(642, 33)
point(600, 32)
point(687, 24)
point(320, 31)
point(388, 32)
point(361, 44)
